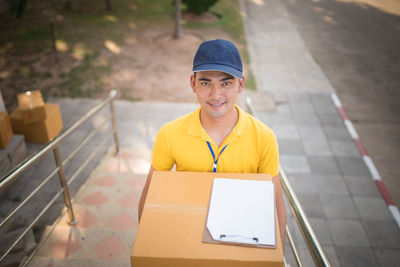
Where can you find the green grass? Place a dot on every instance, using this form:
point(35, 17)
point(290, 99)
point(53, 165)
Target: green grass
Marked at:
point(230, 19)
point(73, 86)
point(250, 79)
point(89, 21)
point(32, 35)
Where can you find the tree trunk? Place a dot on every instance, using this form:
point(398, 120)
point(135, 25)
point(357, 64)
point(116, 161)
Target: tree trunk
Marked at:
point(53, 39)
point(109, 5)
point(178, 15)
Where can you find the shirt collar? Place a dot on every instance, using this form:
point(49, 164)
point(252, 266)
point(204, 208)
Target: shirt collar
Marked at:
point(196, 129)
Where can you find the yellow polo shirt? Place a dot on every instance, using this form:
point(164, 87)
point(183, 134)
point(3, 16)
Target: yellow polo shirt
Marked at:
point(251, 147)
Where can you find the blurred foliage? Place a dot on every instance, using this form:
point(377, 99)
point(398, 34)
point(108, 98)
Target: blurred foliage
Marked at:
point(17, 7)
point(198, 6)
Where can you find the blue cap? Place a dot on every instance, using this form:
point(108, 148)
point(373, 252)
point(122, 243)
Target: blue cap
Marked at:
point(218, 55)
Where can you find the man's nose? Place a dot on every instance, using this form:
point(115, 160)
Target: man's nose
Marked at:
point(215, 90)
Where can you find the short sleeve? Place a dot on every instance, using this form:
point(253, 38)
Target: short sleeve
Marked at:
point(269, 156)
point(162, 157)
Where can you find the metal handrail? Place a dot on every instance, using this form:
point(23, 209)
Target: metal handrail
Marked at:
point(313, 244)
point(48, 178)
point(53, 145)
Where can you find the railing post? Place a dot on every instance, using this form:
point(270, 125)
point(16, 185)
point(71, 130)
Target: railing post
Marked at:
point(114, 123)
point(64, 185)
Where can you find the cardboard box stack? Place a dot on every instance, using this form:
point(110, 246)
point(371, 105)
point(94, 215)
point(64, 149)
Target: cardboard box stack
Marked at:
point(39, 122)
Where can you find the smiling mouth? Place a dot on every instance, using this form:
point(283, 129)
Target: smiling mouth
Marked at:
point(216, 105)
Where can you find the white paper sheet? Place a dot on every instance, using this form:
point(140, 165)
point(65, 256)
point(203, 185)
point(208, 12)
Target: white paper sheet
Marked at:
point(242, 211)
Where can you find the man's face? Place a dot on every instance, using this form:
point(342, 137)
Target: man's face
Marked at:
point(216, 91)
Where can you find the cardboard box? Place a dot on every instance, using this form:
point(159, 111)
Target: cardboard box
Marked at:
point(30, 99)
point(33, 114)
point(173, 220)
point(41, 131)
point(31, 106)
point(6, 132)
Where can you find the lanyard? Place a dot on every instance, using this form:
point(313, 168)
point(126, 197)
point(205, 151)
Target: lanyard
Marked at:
point(212, 153)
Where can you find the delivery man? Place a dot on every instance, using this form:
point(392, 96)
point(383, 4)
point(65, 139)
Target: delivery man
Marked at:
point(218, 136)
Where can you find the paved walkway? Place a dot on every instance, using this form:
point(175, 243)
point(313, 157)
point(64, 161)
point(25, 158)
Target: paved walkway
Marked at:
point(322, 162)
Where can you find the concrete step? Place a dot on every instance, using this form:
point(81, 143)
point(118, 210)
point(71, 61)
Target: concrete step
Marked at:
point(23, 248)
point(13, 154)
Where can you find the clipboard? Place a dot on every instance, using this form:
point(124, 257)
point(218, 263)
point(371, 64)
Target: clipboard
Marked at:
point(223, 191)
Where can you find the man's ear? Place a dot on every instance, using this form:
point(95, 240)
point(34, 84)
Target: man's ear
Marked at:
point(193, 83)
point(241, 84)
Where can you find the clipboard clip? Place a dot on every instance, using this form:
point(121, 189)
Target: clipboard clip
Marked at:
point(238, 239)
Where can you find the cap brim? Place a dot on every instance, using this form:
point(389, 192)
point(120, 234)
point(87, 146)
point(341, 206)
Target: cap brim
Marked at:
point(224, 68)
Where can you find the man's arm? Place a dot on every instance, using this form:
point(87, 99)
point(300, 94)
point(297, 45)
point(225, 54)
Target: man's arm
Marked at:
point(144, 192)
point(280, 206)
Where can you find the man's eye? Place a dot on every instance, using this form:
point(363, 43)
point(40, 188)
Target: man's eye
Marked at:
point(227, 83)
point(205, 84)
